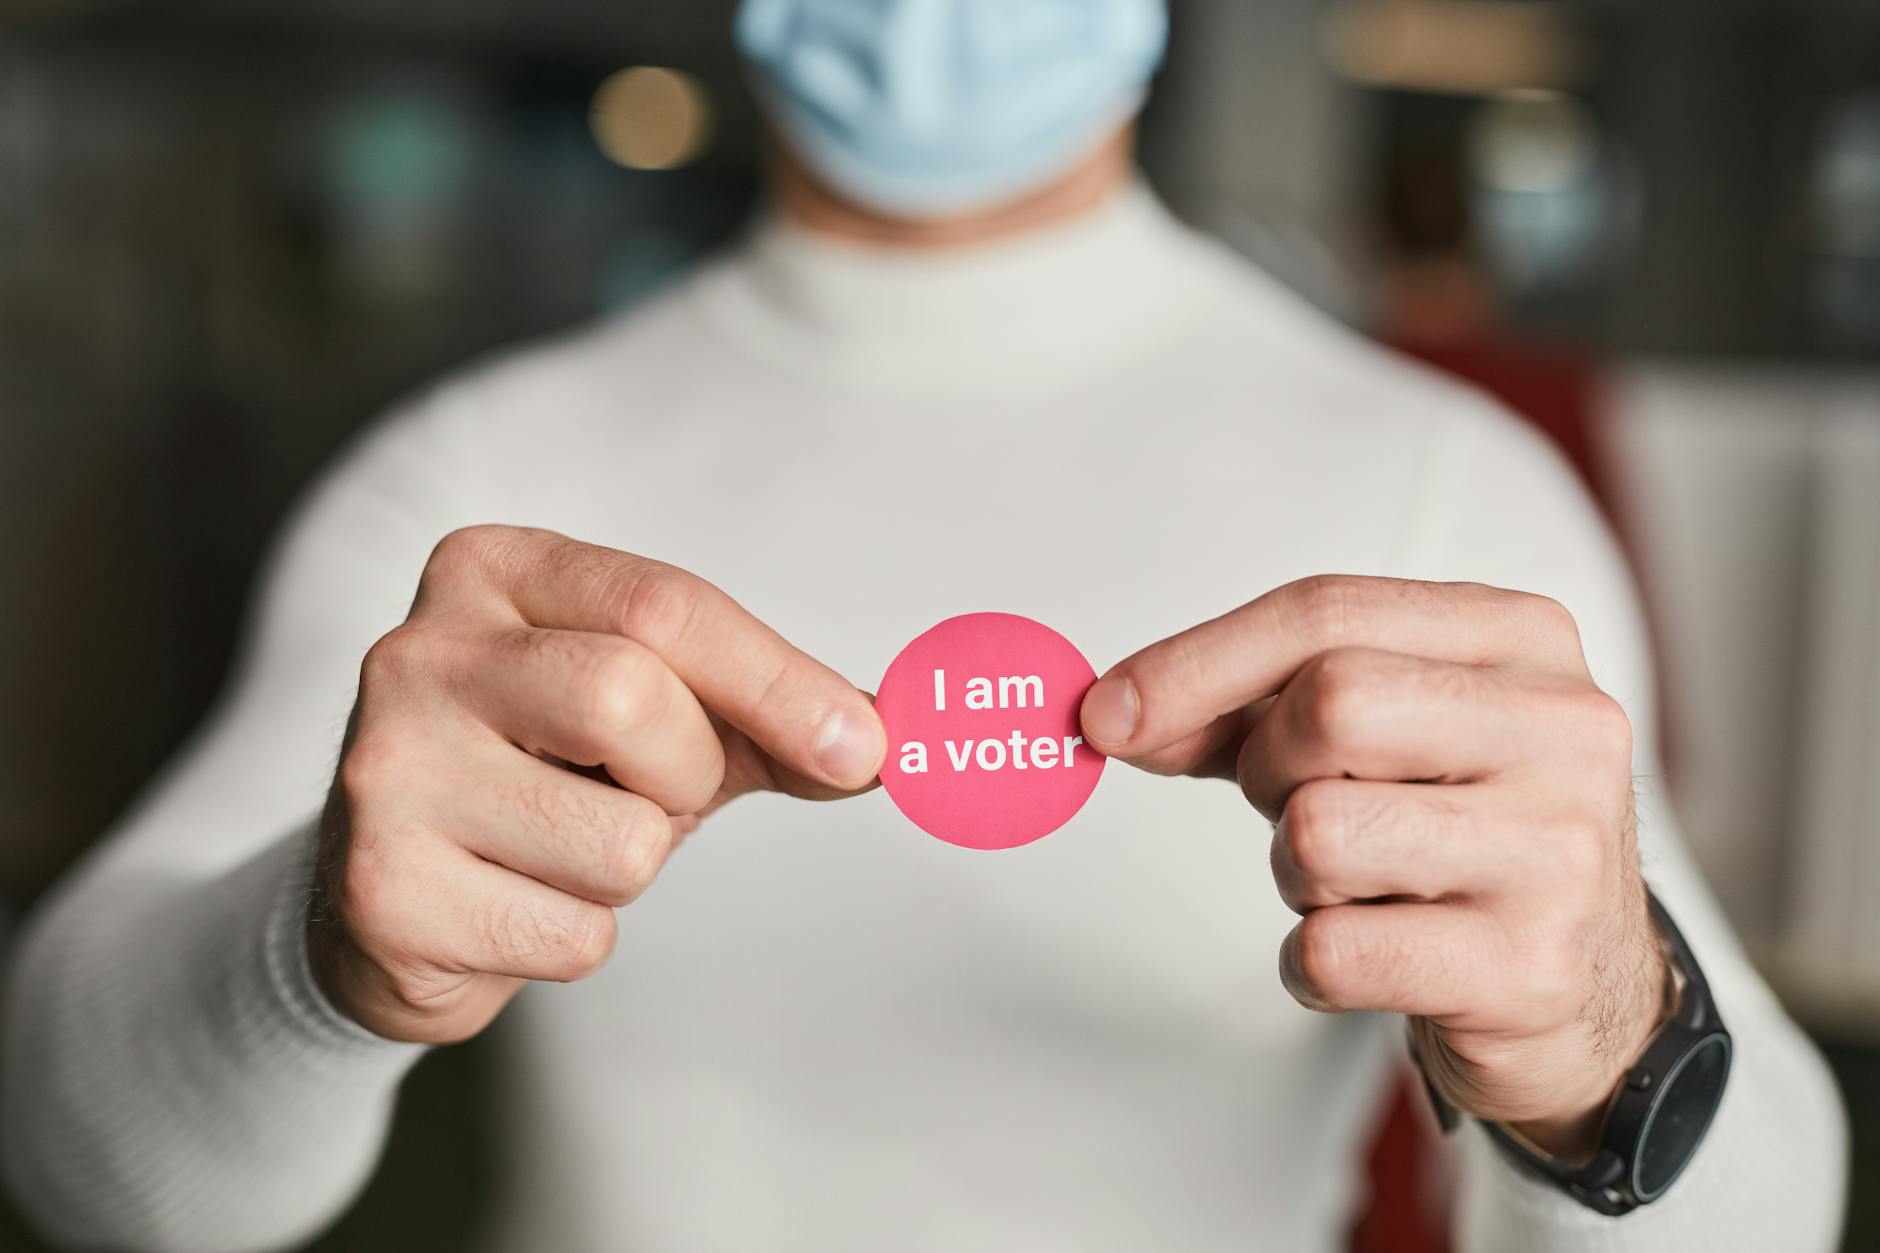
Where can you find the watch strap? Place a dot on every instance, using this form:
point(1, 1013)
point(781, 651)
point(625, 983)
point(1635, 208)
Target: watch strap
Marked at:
point(1607, 1182)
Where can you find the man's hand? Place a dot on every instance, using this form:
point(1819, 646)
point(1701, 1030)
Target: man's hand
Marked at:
point(523, 753)
point(1454, 820)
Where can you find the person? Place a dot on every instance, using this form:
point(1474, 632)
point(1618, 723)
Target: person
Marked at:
point(614, 594)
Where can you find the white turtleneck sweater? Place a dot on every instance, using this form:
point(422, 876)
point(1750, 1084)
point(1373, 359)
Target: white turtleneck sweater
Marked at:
point(823, 1030)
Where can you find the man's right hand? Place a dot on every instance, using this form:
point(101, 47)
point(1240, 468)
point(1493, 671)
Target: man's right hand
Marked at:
point(524, 751)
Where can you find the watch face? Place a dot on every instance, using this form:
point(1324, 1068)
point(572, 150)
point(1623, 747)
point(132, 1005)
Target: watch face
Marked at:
point(1678, 1118)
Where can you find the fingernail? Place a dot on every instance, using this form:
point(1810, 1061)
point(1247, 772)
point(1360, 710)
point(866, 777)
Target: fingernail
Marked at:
point(1111, 710)
point(848, 749)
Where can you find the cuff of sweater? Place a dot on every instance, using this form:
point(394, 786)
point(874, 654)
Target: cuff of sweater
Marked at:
point(171, 1063)
point(1510, 1211)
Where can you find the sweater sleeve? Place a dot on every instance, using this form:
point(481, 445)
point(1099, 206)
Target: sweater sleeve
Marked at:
point(172, 1077)
point(1504, 509)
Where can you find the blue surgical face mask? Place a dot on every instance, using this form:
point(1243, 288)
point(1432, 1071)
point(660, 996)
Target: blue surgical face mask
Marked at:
point(922, 108)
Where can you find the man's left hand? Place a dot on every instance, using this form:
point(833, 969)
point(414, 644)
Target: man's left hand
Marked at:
point(1453, 800)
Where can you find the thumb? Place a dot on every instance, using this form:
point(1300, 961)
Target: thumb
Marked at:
point(748, 768)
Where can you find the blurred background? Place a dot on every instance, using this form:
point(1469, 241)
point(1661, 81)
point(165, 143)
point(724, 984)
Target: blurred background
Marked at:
point(230, 233)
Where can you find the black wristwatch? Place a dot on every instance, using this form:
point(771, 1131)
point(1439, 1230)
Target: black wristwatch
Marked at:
point(1659, 1114)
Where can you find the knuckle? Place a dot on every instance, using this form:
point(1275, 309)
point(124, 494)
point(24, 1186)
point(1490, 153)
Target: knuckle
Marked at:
point(397, 655)
point(1551, 623)
point(1323, 607)
point(560, 945)
point(1551, 617)
point(609, 843)
point(1331, 704)
point(1605, 728)
point(632, 854)
point(1316, 827)
point(659, 605)
point(776, 690)
point(583, 941)
point(380, 897)
point(373, 763)
point(465, 550)
point(622, 695)
point(1325, 956)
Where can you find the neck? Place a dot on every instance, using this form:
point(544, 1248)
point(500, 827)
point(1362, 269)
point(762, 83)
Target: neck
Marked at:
point(814, 205)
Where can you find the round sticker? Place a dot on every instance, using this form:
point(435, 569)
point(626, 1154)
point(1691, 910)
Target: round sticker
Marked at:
point(984, 747)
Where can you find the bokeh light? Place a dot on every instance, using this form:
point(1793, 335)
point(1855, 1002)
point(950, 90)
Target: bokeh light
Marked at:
point(1460, 47)
point(1542, 190)
point(648, 117)
point(1533, 140)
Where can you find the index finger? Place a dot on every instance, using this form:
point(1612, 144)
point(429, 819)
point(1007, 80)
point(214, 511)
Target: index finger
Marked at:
point(805, 715)
point(1177, 694)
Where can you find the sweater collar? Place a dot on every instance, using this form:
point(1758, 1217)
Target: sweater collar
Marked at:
point(1024, 308)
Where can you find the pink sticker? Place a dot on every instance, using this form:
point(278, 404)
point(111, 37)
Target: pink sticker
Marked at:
point(984, 747)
